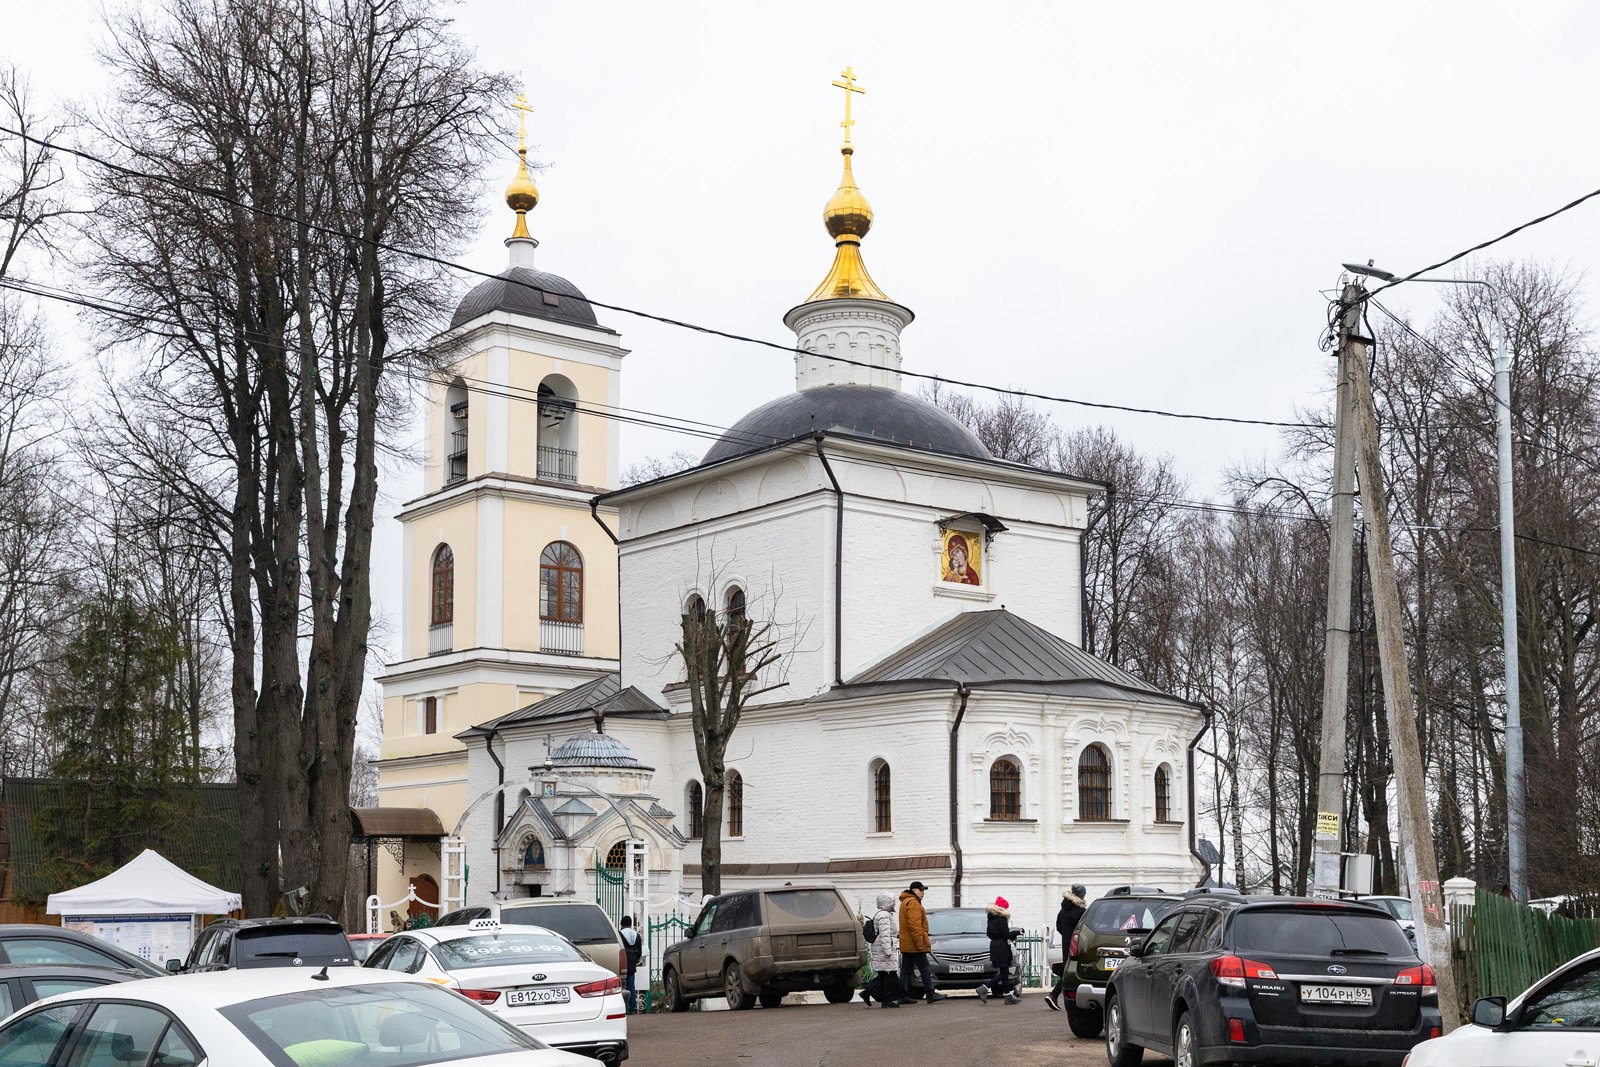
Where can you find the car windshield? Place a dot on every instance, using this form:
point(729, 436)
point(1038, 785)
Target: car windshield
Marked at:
point(1318, 931)
point(399, 1024)
point(282, 945)
point(582, 924)
point(1113, 914)
point(503, 950)
point(953, 922)
point(807, 903)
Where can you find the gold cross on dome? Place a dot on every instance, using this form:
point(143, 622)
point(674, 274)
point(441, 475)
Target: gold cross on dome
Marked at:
point(523, 109)
point(847, 82)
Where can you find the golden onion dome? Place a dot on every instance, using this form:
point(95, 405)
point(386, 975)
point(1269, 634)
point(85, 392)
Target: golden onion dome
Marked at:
point(848, 214)
point(522, 196)
point(848, 217)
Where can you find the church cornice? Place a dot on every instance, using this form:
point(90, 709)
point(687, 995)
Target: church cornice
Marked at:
point(507, 486)
point(504, 330)
point(456, 667)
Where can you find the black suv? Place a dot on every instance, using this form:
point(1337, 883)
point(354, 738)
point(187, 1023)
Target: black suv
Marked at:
point(1279, 980)
point(312, 941)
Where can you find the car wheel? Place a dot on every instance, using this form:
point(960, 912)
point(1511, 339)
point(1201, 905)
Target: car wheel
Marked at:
point(842, 993)
point(1119, 1050)
point(1085, 1022)
point(771, 1000)
point(675, 999)
point(733, 988)
point(1185, 1047)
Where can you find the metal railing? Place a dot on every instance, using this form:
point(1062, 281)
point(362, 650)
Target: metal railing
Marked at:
point(441, 638)
point(561, 638)
point(456, 460)
point(558, 464)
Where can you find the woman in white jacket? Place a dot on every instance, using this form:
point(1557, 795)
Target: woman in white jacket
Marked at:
point(885, 954)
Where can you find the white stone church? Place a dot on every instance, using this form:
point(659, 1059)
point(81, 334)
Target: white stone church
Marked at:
point(938, 717)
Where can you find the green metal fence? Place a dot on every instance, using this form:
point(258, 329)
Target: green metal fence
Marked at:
point(660, 932)
point(610, 889)
point(1500, 947)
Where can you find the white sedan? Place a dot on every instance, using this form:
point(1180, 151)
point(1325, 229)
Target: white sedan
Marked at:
point(527, 975)
point(1557, 1021)
point(276, 1017)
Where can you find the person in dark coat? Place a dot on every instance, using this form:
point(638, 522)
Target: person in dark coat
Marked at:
point(1067, 920)
point(633, 952)
point(1000, 952)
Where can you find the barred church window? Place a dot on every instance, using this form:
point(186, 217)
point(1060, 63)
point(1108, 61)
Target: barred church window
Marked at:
point(1094, 784)
point(697, 810)
point(1005, 789)
point(1163, 794)
point(617, 857)
point(443, 611)
point(882, 822)
point(734, 798)
point(560, 583)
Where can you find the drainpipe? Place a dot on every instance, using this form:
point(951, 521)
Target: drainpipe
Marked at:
point(1193, 829)
point(955, 804)
point(594, 509)
point(499, 803)
point(1083, 570)
point(838, 565)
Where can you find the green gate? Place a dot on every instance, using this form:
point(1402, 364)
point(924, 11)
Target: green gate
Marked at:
point(662, 932)
point(610, 889)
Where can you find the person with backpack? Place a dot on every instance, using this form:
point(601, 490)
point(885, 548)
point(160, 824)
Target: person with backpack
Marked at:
point(883, 941)
point(633, 950)
point(1001, 954)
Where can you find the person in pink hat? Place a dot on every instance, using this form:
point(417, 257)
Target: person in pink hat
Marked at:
point(1000, 953)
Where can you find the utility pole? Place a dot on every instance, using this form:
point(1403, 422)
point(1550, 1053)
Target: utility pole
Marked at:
point(1516, 803)
point(1416, 829)
point(1327, 867)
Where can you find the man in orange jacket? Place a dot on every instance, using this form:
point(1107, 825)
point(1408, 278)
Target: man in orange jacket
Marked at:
point(915, 944)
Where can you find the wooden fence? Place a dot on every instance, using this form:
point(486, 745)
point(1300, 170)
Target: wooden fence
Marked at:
point(1500, 947)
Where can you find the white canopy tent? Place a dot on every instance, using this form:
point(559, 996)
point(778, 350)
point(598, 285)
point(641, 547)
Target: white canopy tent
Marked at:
point(148, 884)
point(148, 906)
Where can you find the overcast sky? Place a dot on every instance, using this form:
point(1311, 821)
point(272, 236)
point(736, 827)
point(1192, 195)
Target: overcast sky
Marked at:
point(1134, 203)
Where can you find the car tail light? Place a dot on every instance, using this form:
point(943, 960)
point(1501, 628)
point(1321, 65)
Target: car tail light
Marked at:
point(599, 989)
point(1233, 970)
point(1434, 1031)
point(1236, 1030)
point(1072, 946)
point(1419, 977)
point(482, 996)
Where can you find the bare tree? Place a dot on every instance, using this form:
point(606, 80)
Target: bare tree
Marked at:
point(652, 467)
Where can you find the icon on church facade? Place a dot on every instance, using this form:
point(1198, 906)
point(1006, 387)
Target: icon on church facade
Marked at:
point(961, 559)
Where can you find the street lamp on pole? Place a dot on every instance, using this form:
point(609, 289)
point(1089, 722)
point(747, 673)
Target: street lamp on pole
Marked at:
point(1516, 796)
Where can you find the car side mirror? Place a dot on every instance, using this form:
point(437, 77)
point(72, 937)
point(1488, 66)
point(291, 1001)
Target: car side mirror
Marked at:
point(1136, 949)
point(1489, 1012)
point(174, 966)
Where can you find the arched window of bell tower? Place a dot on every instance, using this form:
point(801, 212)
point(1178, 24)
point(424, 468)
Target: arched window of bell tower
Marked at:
point(455, 432)
point(558, 429)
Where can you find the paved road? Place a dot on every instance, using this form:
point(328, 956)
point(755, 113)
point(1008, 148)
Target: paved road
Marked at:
point(955, 1032)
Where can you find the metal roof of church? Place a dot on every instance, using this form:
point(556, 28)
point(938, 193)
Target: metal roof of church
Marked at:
point(594, 750)
point(525, 291)
point(604, 694)
point(999, 650)
point(868, 411)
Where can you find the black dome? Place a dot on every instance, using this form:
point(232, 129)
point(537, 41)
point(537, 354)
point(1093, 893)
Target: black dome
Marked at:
point(863, 410)
point(525, 291)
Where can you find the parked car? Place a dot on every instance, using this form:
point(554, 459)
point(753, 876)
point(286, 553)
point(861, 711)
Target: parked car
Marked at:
point(1553, 1021)
point(1400, 908)
point(21, 986)
point(527, 975)
point(760, 944)
point(26, 944)
point(960, 957)
point(303, 941)
point(583, 922)
point(270, 1018)
point(1279, 980)
point(1100, 944)
point(364, 944)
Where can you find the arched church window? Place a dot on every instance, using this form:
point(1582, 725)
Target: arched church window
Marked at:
point(695, 607)
point(733, 612)
point(558, 429)
point(1163, 794)
point(733, 797)
point(533, 854)
point(695, 803)
point(430, 715)
point(443, 600)
point(1005, 789)
point(560, 583)
point(882, 811)
point(1094, 784)
point(617, 857)
point(455, 432)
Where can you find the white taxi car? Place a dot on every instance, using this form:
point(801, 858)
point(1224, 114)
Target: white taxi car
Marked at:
point(529, 976)
point(274, 1017)
point(1557, 1021)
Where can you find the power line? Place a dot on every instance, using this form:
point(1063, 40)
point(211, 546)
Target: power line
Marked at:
point(440, 261)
